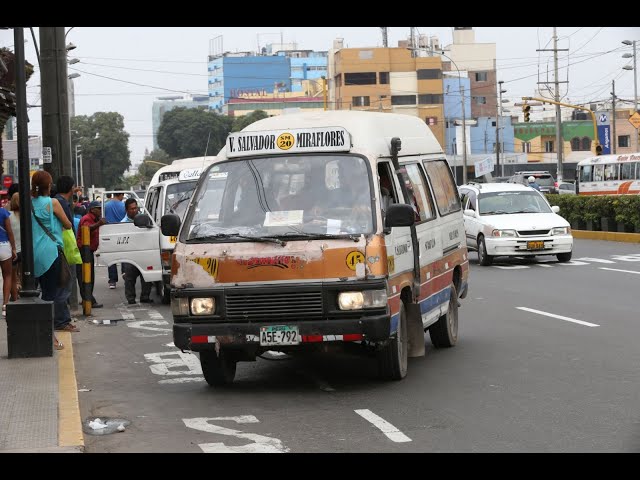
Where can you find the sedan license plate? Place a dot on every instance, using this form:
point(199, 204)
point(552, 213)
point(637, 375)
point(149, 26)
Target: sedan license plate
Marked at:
point(535, 245)
point(279, 335)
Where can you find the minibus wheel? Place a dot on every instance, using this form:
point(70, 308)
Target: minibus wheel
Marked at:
point(393, 358)
point(218, 369)
point(444, 333)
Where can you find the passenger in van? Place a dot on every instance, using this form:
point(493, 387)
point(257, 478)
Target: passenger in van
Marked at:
point(130, 272)
point(248, 210)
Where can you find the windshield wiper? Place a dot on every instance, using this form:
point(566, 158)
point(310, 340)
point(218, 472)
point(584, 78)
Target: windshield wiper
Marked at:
point(246, 237)
point(526, 211)
point(495, 212)
point(172, 209)
point(351, 236)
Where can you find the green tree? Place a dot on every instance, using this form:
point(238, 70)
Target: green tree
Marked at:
point(105, 150)
point(146, 170)
point(184, 132)
point(241, 122)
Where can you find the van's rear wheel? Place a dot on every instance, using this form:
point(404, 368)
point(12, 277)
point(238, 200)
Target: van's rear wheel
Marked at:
point(393, 358)
point(444, 333)
point(218, 369)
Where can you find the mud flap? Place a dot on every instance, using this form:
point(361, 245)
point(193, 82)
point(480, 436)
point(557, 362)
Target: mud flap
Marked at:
point(415, 332)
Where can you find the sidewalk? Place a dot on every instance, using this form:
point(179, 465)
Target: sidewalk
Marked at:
point(39, 407)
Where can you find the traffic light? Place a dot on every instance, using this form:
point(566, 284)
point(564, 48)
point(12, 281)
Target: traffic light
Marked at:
point(526, 109)
point(598, 149)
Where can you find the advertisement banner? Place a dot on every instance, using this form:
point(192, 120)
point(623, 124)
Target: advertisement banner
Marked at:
point(604, 131)
point(483, 167)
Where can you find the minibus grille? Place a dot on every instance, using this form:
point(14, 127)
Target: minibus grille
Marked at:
point(272, 307)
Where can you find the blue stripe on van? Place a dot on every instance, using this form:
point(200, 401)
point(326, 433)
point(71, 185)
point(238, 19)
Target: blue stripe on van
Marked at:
point(426, 306)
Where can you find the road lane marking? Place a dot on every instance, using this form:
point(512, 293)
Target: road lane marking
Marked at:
point(595, 260)
point(544, 265)
point(385, 427)
point(618, 270)
point(540, 312)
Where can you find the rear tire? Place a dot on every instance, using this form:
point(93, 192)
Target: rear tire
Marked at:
point(166, 295)
point(393, 359)
point(564, 257)
point(483, 258)
point(444, 333)
point(218, 370)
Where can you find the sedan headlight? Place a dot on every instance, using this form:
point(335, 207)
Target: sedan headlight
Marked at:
point(203, 306)
point(561, 231)
point(503, 233)
point(364, 299)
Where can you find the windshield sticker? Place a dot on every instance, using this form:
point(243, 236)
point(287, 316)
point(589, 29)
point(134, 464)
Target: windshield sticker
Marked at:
point(283, 218)
point(333, 226)
point(171, 195)
point(216, 175)
point(354, 258)
point(209, 265)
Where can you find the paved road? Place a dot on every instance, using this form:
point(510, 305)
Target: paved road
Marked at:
point(547, 361)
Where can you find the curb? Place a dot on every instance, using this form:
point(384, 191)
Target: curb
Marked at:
point(609, 236)
point(70, 437)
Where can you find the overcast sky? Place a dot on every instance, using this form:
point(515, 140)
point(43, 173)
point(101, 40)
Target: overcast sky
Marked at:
point(123, 69)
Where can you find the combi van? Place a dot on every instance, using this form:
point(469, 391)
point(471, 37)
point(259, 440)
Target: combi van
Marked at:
point(317, 231)
point(143, 244)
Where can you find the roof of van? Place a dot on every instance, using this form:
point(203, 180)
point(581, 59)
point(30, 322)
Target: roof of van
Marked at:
point(610, 158)
point(182, 164)
point(369, 131)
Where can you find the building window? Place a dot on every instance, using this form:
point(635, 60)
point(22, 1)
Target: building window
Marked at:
point(360, 78)
point(383, 78)
point(526, 147)
point(624, 140)
point(586, 144)
point(481, 76)
point(430, 99)
point(360, 101)
point(480, 100)
point(575, 144)
point(403, 99)
point(429, 74)
point(548, 146)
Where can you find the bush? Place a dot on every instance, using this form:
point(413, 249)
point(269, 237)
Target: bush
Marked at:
point(582, 208)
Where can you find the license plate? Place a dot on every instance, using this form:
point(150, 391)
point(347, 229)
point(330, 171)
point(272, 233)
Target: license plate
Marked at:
point(279, 335)
point(535, 245)
point(173, 239)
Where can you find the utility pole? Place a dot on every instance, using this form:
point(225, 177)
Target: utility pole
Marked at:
point(499, 114)
point(464, 139)
point(55, 100)
point(559, 141)
point(614, 140)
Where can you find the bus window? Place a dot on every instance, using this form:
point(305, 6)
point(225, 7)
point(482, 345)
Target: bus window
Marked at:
point(611, 171)
point(628, 171)
point(598, 173)
point(585, 173)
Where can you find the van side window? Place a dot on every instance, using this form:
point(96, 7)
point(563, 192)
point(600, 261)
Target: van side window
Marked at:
point(444, 188)
point(418, 193)
point(153, 208)
point(388, 194)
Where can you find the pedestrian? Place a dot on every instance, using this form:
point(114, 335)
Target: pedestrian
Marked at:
point(7, 256)
point(47, 222)
point(533, 183)
point(114, 211)
point(64, 188)
point(94, 220)
point(14, 188)
point(131, 273)
point(16, 271)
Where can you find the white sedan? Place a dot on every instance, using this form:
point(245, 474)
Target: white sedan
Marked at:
point(514, 220)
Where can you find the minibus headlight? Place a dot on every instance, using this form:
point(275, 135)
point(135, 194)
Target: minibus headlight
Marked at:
point(203, 306)
point(561, 231)
point(364, 299)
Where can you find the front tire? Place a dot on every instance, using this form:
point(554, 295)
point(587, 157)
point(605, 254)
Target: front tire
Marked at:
point(393, 359)
point(483, 258)
point(444, 333)
point(564, 257)
point(218, 369)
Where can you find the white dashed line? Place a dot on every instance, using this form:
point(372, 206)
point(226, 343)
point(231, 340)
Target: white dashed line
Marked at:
point(595, 260)
point(617, 270)
point(385, 427)
point(540, 312)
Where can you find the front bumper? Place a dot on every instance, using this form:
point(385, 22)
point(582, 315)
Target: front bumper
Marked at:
point(517, 246)
point(205, 336)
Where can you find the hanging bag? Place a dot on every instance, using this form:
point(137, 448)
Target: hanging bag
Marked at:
point(65, 268)
point(71, 250)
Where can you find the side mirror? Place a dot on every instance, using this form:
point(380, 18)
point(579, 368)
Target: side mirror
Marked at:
point(399, 215)
point(555, 209)
point(469, 213)
point(142, 220)
point(170, 224)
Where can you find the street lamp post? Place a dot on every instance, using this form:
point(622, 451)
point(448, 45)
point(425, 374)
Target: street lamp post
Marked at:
point(499, 112)
point(635, 80)
point(464, 124)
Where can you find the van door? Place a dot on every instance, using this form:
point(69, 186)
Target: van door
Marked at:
point(126, 243)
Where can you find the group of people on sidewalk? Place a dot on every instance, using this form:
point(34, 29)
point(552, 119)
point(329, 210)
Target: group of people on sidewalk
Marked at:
point(51, 215)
